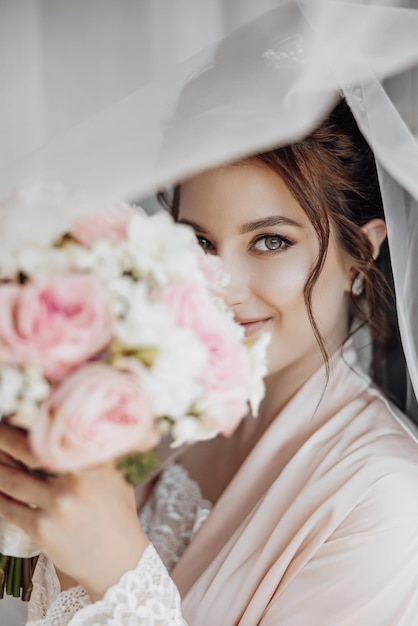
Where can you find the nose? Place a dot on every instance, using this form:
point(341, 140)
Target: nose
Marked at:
point(238, 288)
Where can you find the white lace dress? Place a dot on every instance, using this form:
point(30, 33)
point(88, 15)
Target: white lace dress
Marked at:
point(146, 596)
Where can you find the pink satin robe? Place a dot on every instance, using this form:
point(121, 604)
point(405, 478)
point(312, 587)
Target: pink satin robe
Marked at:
point(319, 527)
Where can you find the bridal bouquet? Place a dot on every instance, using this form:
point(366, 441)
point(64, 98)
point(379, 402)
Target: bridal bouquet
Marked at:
point(113, 333)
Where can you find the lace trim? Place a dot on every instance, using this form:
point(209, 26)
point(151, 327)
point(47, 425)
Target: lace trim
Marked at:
point(174, 515)
point(47, 605)
point(144, 597)
point(46, 588)
point(171, 518)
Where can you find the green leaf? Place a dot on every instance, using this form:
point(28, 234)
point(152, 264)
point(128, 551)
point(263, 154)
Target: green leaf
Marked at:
point(138, 467)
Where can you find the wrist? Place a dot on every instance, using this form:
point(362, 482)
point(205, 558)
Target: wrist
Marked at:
point(111, 569)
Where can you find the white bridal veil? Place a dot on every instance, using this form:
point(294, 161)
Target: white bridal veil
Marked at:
point(133, 95)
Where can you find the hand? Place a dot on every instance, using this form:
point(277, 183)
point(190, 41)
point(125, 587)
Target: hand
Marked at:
point(86, 523)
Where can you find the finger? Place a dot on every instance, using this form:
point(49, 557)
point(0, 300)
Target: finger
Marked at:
point(19, 514)
point(15, 443)
point(6, 459)
point(22, 486)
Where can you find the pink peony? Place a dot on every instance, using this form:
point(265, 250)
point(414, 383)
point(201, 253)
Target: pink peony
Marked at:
point(96, 414)
point(110, 225)
point(192, 306)
point(226, 379)
point(57, 323)
point(226, 376)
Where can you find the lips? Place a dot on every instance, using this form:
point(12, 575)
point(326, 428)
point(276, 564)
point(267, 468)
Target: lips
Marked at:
point(252, 326)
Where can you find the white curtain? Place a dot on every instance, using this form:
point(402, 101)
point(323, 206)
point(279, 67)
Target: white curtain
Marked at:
point(63, 61)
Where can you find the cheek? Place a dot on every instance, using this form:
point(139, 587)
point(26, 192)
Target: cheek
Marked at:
point(282, 280)
point(292, 285)
point(333, 281)
point(330, 301)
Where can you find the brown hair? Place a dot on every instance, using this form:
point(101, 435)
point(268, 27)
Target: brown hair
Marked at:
point(332, 174)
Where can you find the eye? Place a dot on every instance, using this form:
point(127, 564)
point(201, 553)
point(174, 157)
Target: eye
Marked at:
point(270, 243)
point(205, 244)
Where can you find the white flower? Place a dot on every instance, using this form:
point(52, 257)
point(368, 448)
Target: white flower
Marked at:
point(258, 363)
point(125, 296)
point(11, 383)
point(145, 323)
point(35, 387)
point(9, 266)
point(39, 214)
point(111, 260)
point(80, 257)
point(164, 249)
point(33, 216)
point(37, 261)
point(21, 389)
point(189, 429)
point(175, 374)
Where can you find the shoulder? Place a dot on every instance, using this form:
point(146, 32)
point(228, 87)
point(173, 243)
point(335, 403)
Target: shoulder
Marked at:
point(382, 444)
point(365, 456)
point(391, 430)
point(371, 425)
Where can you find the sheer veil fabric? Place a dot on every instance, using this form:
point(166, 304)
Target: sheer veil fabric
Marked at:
point(264, 84)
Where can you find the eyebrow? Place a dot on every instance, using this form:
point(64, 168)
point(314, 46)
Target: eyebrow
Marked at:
point(266, 222)
point(193, 225)
point(249, 227)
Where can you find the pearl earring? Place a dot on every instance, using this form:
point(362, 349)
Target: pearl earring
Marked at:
point(357, 286)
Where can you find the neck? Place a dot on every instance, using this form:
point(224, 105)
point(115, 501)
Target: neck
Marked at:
point(282, 386)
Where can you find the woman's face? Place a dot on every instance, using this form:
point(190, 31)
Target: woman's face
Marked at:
point(245, 214)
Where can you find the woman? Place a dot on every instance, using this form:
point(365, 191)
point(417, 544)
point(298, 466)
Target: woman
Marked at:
point(314, 516)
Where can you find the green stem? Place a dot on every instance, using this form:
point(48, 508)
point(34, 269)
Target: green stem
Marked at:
point(33, 563)
point(27, 585)
point(4, 564)
point(9, 577)
point(17, 576)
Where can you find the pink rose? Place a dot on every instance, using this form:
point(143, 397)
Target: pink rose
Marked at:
point(226, 376)
point(226, 379)
point(192, 306)
point(95, 415)
point(111, 224)
point(57, 323)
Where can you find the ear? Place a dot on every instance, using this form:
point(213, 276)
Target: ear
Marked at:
point(375, 231)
